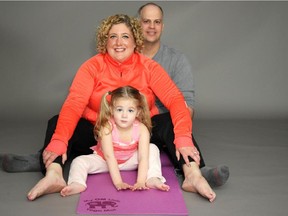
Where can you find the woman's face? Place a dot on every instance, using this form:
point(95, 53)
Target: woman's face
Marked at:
point(121, 43)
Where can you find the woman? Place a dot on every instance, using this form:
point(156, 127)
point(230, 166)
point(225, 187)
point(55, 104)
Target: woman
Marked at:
point(119, 42)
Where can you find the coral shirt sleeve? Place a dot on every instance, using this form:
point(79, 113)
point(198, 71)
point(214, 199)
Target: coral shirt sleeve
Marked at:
point(75, 104)
point(173, 99)
point(57, 147)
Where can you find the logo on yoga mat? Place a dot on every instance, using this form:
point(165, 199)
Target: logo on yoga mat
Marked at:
point(101, 205)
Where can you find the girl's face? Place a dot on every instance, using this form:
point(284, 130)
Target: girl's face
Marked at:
point(124, 112)
point(121, 43)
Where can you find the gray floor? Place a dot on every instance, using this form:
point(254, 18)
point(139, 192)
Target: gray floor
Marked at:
point(255, 151)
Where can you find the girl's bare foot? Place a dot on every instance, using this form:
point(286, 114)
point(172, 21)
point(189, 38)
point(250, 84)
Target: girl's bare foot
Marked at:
point(196, 183)
point(52, 182)
point(73, 188)
point(156, 183)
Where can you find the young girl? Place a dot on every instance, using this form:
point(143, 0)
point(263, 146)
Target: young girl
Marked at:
point(123, 133)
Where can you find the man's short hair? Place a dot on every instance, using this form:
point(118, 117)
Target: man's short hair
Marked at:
point(150, 3)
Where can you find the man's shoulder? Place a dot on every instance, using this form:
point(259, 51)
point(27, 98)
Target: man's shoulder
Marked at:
point(169, 55)
point(170, 50)
point(146, 61)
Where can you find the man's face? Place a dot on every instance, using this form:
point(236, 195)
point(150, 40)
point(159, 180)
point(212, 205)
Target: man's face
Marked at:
point(152, 23)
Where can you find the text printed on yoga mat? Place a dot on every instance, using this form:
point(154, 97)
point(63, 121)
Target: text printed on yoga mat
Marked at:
point(101, 205)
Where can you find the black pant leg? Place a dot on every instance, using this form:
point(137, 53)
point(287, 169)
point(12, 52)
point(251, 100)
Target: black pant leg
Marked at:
point(163, 135)
point(202, 162)
point(79, 144)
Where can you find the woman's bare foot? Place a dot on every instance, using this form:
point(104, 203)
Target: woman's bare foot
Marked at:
point(53, 182)
point(156, 183)
point(196, 183)
point(73, 188)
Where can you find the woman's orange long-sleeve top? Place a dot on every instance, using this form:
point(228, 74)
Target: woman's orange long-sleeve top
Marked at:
point(101, 74)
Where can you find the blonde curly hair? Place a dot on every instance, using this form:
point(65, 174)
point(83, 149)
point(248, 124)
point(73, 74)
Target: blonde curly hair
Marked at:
point(132, 23)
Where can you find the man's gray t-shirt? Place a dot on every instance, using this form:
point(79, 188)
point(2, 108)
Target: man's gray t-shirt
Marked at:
point(179, 69)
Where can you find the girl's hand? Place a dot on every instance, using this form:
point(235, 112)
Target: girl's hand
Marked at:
point(139, 186)
point(123, 186)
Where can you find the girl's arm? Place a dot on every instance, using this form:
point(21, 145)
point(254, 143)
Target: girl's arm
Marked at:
point(143, 158)
point(108, 151)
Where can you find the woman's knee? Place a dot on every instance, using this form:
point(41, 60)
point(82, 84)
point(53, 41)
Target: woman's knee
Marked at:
point(53, 121)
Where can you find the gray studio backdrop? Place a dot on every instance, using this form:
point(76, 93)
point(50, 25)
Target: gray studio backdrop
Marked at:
point(238, 51)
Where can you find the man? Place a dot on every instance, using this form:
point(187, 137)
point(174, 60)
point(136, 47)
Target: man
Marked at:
point(179, 69)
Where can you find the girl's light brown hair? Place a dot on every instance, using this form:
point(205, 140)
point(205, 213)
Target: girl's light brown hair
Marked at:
point(132, 23)
point(107, 107)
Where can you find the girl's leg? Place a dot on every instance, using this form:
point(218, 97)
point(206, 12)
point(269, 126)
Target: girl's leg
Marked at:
point(131, 164)
point(80, 168)
point(154, 175)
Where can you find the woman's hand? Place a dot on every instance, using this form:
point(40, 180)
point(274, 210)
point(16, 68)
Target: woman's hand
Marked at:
point(53, 150)
point(48, 157)
point(188, 151)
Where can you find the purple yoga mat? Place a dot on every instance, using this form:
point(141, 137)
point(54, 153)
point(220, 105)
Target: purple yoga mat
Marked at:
point(101, 197)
